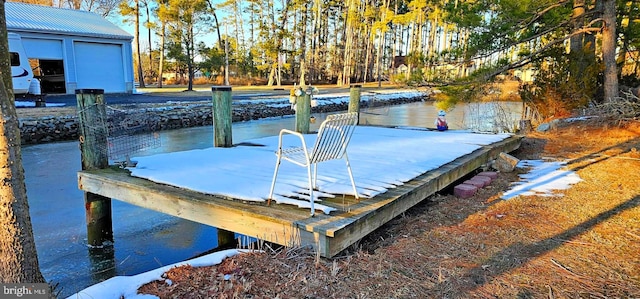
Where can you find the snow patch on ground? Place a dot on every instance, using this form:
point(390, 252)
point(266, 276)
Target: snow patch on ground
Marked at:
point(127, 286)
point(542, 179)
point(27, 104)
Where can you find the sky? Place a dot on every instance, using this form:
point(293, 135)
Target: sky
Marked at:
point(205, 35)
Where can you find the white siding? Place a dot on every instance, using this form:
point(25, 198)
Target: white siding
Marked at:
point(43, 48)
point(99, 65)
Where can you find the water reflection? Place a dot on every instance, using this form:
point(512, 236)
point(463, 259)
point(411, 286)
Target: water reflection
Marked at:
point(497, 117)
point(481, 117)
point(103, 262)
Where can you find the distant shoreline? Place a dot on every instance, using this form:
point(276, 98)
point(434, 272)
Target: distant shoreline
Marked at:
point(55, 124)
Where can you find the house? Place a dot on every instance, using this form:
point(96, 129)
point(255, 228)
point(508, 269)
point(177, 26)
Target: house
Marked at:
point(399, 64)
point(72, 49)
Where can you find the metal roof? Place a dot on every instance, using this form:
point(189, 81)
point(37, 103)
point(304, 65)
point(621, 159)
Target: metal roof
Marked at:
point(38, 18)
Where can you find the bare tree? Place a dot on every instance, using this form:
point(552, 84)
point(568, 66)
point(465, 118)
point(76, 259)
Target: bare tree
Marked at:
point(137, 37)
point(134, 12)
point(161, 14)
point(148, 25)
point(609, 41)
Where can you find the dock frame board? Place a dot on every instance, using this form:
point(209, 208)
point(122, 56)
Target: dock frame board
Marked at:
point(284, 224)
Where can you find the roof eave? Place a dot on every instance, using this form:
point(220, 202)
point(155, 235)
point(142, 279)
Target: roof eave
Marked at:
point(71, 33)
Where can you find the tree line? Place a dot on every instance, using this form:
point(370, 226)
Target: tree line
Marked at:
point(417, 42)
point(420, 42)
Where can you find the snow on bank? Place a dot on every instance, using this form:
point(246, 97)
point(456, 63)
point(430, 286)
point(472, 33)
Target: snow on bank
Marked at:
point(279, 101)
point(30, 104)
point(542, 179)
point(127, 286)
point(338, 98)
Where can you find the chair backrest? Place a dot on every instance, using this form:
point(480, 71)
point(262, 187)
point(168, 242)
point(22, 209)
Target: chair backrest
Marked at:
point(333, 137)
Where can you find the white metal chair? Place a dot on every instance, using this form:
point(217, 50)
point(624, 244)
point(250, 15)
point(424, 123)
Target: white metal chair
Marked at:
point(331, 143)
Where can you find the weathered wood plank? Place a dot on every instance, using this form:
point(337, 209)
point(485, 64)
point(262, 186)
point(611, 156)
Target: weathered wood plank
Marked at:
point(222, 116)
point(303, 111)
point(354, 99)
point(222, 137)
point(273, 225)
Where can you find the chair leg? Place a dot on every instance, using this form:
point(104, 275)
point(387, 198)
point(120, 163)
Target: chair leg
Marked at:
point(273, 182)
point(315, 176)
point(353, 182)
point(310, 189)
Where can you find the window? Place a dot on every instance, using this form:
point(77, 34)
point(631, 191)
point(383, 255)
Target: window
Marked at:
point(15, 58)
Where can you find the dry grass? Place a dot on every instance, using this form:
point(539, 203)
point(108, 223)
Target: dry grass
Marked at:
point(583, 244)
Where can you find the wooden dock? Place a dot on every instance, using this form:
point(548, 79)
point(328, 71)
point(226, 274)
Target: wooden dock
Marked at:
point(285, 224)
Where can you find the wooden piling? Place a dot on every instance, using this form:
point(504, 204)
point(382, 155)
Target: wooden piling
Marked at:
point(92, 119)
point(222, 137)
point(354, 98)
point(303, 111)
point(226, 239)
point(222, 116)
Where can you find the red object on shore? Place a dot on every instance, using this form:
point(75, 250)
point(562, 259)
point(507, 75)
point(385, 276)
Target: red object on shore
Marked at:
point(464, 190)
point(477, 183)
point(484, 179)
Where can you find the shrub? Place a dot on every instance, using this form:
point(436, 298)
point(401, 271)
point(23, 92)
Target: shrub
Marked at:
point(201, 81)
point(563, 83)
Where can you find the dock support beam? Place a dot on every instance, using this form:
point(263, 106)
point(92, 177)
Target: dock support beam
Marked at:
point(354, 99)
point(303, 111)
point(222, 116)
point(93, 148)
point(222, 137)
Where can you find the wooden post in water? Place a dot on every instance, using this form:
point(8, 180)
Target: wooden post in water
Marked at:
point(92, 119)
point(222, 116)
point(303, 111)
point(354, 99)
point(226, 239)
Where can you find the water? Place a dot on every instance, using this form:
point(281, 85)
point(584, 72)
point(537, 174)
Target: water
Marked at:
point(145, 239)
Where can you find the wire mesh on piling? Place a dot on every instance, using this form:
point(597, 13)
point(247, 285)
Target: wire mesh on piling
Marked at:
point(126, 132)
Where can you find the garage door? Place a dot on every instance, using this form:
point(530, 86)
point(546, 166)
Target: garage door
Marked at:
point(100, 66)
point(43, 48)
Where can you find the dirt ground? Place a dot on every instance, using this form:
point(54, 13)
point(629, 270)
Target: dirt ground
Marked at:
point(583, 243)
